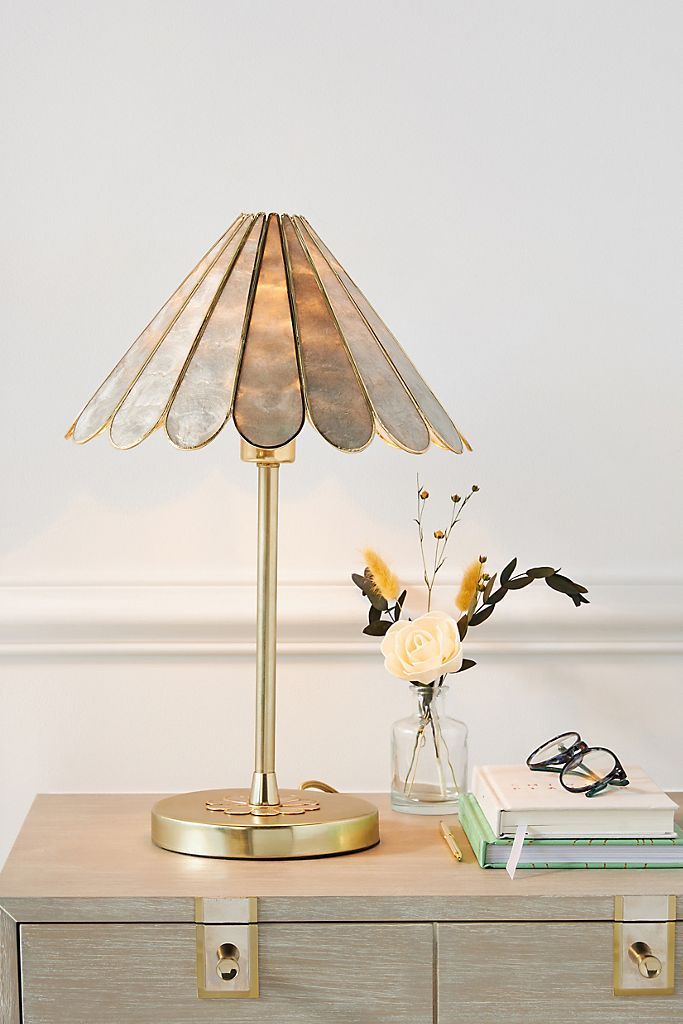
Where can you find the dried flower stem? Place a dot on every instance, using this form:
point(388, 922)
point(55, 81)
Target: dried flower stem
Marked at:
point(441, 540)
point(420, 511)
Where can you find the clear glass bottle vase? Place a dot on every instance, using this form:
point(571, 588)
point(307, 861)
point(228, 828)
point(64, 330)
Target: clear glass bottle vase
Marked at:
point(429, 756)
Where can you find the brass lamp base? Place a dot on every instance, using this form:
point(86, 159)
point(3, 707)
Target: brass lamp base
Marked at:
point(219, 823)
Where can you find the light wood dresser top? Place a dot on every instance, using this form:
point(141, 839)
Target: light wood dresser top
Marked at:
point(76, 849)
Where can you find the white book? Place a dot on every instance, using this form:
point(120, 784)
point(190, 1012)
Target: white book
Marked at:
point(511, 795)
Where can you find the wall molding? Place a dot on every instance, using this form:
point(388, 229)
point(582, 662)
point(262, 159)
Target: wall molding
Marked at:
point(317, 620)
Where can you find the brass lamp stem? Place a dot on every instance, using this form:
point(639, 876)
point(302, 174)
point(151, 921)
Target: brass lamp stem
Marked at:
point(264, 783)
point(264, 788)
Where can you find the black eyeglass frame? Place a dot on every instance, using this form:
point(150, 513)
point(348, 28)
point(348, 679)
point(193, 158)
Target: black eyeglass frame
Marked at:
point(567, 760)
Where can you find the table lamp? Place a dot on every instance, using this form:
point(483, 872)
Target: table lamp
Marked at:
point(268, 329)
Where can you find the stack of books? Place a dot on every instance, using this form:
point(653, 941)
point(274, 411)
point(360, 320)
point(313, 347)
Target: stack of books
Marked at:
point(630, 827)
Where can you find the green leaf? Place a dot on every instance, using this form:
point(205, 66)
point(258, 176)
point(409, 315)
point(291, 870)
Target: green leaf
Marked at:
point(564, 585)
point(495, 597)
point(375, 614)
point(466, 663)
point(489, 587)
point(360, 581)
point(539, 572)
point(482, 615)
point(462, 626)
point(508, 571)
point(376, 600)
point(521, 583)
point(377, 628)
point(401, 599)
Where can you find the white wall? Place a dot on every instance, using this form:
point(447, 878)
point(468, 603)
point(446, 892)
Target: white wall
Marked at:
point(501, 178)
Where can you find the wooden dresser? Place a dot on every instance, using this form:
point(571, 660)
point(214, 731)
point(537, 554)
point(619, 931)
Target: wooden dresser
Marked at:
point(98, 926)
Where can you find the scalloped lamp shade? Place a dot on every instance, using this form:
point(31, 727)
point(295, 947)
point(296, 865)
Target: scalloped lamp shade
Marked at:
point(268, 329)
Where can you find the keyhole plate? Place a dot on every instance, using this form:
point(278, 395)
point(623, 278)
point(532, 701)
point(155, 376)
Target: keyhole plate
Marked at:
point(644, 920)
point(211, 938)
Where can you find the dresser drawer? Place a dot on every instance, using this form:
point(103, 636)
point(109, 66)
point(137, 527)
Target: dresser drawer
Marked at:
point(146, 974)
point(539, 972)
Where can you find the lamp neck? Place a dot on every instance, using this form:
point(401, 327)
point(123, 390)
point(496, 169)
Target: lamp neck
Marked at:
point(267, 456)
point(264, 788)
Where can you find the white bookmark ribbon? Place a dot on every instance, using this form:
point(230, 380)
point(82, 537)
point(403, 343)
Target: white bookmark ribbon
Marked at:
point(516, 850)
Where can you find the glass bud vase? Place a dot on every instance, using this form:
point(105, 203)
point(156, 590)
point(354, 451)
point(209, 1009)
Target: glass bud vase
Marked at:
point(429, 756)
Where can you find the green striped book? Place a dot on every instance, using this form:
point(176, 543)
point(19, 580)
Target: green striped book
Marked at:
point(492, 852)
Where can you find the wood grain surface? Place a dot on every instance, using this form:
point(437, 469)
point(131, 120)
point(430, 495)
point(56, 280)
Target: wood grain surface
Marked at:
point(146, 974)
point(76, 849)
point(539, 972)
point(9, 971)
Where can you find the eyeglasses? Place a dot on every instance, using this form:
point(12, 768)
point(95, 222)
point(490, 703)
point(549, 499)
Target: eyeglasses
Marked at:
point(582, 769)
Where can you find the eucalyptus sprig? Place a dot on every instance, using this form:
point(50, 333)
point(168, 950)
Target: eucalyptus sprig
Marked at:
point(486, 599)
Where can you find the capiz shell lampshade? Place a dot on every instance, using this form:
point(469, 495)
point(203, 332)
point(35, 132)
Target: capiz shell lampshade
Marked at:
point(268, 329)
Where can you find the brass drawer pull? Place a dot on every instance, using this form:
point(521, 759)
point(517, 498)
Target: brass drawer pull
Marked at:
point(228, 966)
point(649, 965)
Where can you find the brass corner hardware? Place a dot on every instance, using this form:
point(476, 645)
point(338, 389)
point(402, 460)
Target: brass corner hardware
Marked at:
point(226, 911)
point(644, 945)
point(227, 948)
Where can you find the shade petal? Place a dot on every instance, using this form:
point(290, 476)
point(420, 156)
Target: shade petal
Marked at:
point(335, 401)
point(443, 429)
point(98, 412)
point(269, 408)
point(203, 402)
point(145, 405)
point(398, 418)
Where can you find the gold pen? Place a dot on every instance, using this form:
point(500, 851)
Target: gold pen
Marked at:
point(450, 841)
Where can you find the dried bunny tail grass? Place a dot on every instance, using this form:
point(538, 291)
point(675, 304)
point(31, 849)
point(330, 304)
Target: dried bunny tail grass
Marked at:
point(383, 579)
point(468, 587)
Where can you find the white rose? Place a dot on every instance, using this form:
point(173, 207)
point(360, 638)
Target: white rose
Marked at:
point(424, 649)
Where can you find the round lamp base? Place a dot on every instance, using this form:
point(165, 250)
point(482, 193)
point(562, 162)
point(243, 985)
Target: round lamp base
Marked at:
point(218, 823)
